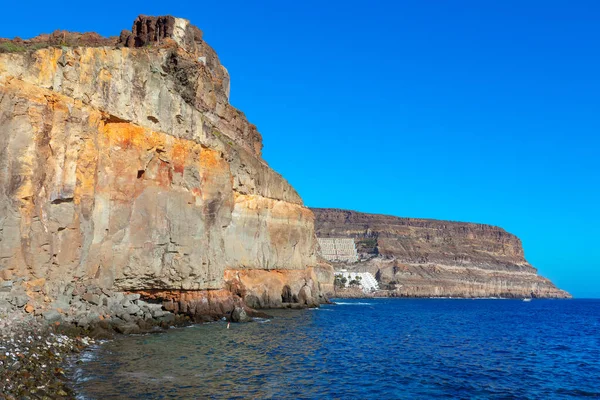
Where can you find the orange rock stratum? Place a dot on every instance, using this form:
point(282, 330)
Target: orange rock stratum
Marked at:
point(122, 164)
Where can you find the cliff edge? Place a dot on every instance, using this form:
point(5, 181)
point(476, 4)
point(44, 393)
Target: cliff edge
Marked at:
point(124, 167)
point(428, 258)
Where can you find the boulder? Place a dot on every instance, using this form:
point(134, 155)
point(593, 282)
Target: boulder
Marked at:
point(133, 309)
point(19, 299)
point(239, 315)
point(52, 316)
point(159, 313)
point(124, 315)
point(306, 298)
point(6, 286)
point(167, 318)
point(92, 298)
point(127, 328)
point(132, 297)
point(60, 305)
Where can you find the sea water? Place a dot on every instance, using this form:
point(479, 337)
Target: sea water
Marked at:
point(363, 349)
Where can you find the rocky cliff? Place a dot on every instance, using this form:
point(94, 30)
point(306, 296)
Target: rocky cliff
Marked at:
point(423, 257)
point(123, 166)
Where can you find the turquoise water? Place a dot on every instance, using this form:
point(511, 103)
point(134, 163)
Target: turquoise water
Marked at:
point(364, 349)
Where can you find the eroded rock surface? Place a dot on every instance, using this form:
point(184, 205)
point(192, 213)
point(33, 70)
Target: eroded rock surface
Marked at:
point(123, 164)
point(423, 257)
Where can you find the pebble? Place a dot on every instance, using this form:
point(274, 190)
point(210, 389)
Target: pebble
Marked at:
point(32, 349)
point(31, 368)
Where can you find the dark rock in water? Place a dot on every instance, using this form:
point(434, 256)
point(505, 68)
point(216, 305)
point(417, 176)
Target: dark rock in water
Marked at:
point(239, 315)
point(127, 328)
point(252, 301)
point(294, 306)
point(306, 298)
point(144, 325)
point(100, 333)
point(168, 318)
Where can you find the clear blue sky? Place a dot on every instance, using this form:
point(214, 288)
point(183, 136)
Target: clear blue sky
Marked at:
point(482, 111)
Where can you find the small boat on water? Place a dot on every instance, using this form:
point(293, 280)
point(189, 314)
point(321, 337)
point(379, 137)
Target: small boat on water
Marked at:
point(527, 299)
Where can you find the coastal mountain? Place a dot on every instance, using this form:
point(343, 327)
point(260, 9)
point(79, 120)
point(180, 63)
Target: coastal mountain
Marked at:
point(423, 257)
point(124, 167)
point(126, 172)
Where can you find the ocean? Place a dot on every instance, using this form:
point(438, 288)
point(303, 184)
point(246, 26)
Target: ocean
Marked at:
point(363, 349)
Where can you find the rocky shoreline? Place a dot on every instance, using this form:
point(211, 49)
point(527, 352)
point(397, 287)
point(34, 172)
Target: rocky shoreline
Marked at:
point(35, 355)
point(357, 293)
point(33, 358)
point(39, 337)
point(40, 332)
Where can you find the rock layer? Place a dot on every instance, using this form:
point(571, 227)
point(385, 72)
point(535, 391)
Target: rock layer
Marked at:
point(125, 166)
point(423, 257)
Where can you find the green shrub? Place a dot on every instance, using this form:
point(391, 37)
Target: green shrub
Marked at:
point(38, 46)
point(340, 281)
point(10, 47)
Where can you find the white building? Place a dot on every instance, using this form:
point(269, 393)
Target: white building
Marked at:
point(338, 249)
point(366, 279)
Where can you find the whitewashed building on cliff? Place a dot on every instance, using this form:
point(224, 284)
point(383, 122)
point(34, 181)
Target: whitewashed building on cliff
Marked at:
point(367, 281)
point(338, 249)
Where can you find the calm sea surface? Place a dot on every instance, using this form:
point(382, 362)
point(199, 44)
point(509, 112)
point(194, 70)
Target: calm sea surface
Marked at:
point(363, 349)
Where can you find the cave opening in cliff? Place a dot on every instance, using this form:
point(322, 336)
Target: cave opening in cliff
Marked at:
point(286, 294)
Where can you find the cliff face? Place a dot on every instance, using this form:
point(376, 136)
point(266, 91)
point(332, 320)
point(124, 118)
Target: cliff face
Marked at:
point(422, 257)
point(122, 163)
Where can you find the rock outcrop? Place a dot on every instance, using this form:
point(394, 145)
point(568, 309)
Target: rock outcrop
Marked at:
point(123, 166)
point(423, 258)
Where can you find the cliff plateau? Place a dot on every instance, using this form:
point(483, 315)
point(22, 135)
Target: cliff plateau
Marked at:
point(427, 258)
point(123, 166)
